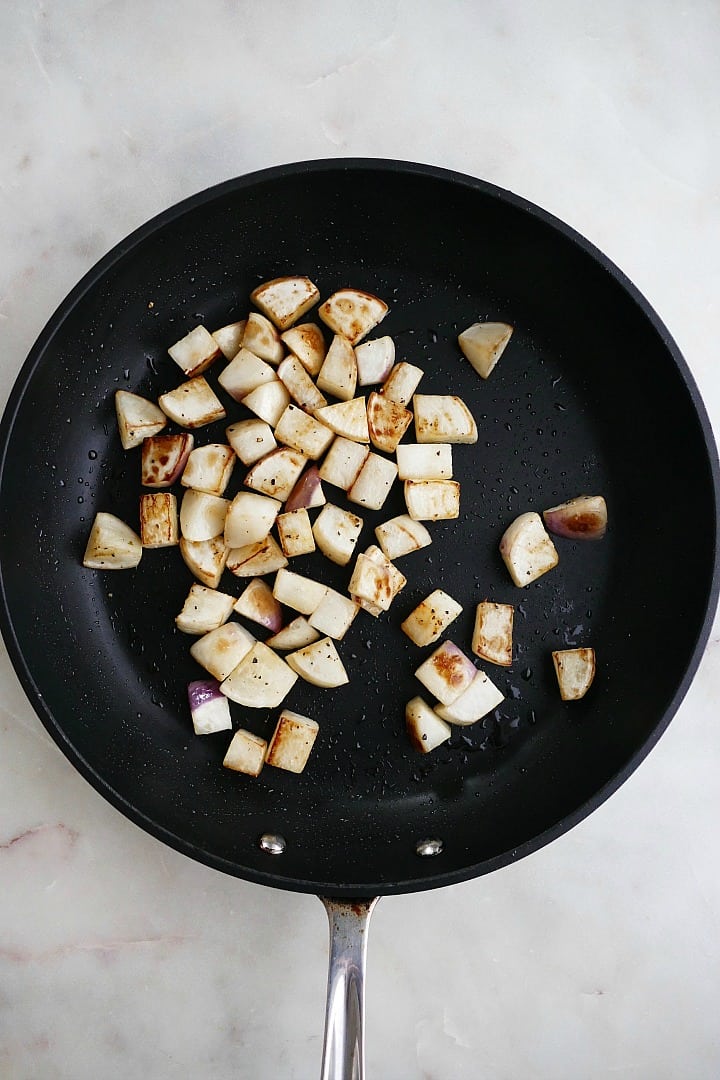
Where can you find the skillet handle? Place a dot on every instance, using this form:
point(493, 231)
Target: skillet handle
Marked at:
point(344, 1046)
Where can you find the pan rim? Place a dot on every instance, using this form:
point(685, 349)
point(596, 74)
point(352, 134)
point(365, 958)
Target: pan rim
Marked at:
point(136, 238)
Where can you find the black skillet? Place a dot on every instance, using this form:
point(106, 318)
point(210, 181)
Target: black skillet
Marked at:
point(592, 395)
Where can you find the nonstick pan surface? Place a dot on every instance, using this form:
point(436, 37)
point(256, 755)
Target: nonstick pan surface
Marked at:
point(591, 396)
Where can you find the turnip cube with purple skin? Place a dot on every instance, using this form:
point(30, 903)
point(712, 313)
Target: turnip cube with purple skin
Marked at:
point(257, 603)
point(209, 708)
point(292, 741)
point(164, 458)
point(582, 518)
point(246, 753)
point(476, 701)
point(446, 673)
point(307, 493)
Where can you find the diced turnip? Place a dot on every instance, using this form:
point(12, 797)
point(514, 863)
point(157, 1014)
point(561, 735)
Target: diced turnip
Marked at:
point(262, 680)
point(209, 709)
point(246, 752)
point(424, 461)
point(402, 382)
point(251, 440)
point(352, 313)
point(268, 401)
point(193, 404)
point(112, 545)
point(195, 352)
point(302, 432)
point(479, 699)
point(292, 741)
point(262, 338)
point(443, 418)
point(308, 491)
point(163, 459)
point(209, 468)
point(338, 374)
point(373, 482)
point(431, 618)
point(204, 610)
point(295, 532)
point(137, 418)
point(306, 341)
point(425, 728)
point(401, 535)
point(483, 344)
point(334, 615)
point(285, 299)
point(527, 550)
point(343, 463)
point(336, 533)
point(375, 360)
point(372, 583)
point(583, 518)
point(256, 560)
point(387, 422)
point(398, 581)
point(229, 338)
point(250, 518)
point(159, 520)
point(202, 516)
point(299, 384)
point(221, 650)
point(300, 593)
point(493, 633)
point(296, 635)
point(432, 500)
point(205, 558)
point(277, 473)
point(319, 664)
point(245, 373)
point(348, 419)
point(446, 673)
point(257, 603)
point(575, 670)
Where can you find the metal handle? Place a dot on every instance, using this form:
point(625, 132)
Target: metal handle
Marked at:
point(344, 1047)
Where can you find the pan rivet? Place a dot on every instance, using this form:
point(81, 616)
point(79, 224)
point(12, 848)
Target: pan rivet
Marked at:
point(273, 843)
point(429, 847)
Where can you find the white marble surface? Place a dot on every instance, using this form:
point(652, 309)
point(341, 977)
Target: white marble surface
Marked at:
point(598, 957)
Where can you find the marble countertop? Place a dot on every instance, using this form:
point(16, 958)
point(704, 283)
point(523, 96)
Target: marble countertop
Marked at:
point(597, 958)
